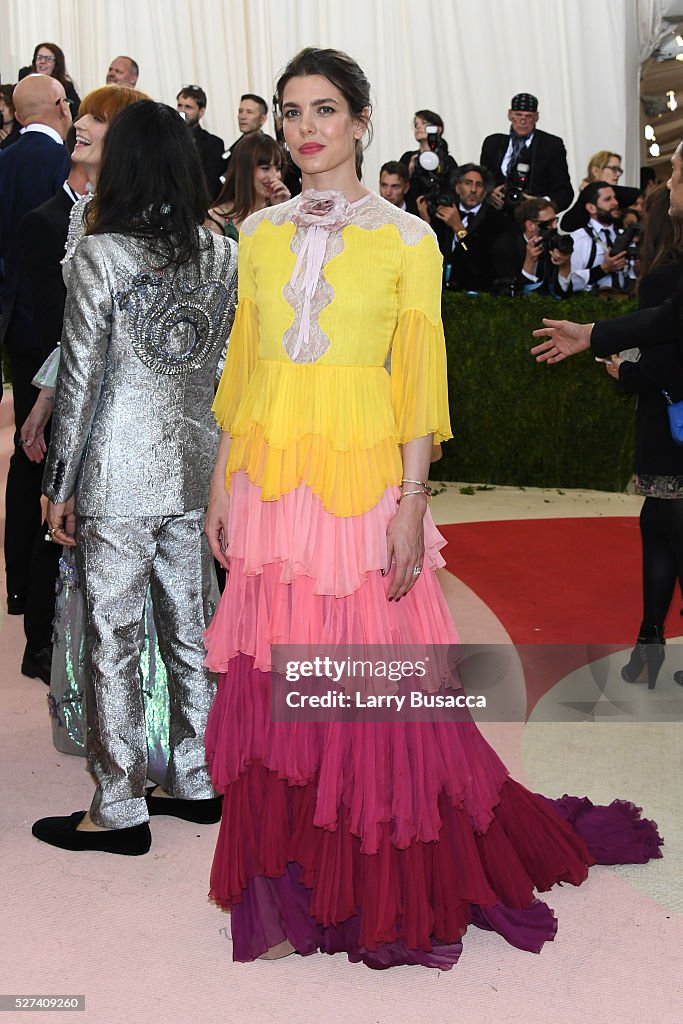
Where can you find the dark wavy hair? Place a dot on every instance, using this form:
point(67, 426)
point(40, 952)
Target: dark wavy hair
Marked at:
point(59, 71)
point(344, 73)
point(662, 240)
point(238, 195)
point(151, 184)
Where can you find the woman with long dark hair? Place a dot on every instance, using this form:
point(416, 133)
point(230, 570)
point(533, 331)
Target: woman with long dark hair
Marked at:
point(148, 311)
point(383, 838)
point(49, 59)
point(658, 459)
point(253, 182)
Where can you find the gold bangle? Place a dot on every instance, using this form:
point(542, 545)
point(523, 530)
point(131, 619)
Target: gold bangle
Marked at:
point(406, 494)
point(421, 483)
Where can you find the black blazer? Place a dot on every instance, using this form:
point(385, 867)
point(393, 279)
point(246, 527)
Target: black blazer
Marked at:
point(548, 171)
point(41, 292)
point(31, 172)
point(507, 256)
point(644, 329)
point(472, 268)
point(509, 252)
point(659, 368)
point(210, 149)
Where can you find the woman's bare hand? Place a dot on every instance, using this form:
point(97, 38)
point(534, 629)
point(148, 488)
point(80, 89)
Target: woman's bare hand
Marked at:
point(405, 545)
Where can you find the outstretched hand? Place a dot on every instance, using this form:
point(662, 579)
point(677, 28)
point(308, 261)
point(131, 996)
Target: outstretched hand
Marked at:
point(564, 339)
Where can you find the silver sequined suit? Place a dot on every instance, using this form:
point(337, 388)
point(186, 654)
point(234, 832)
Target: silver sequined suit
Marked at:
point(134, 439)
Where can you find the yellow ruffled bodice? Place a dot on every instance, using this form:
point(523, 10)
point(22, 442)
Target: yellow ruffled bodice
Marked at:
point(335, 422)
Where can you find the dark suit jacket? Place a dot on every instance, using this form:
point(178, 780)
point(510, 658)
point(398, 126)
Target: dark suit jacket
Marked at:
point(548, 171)
point(31, 171)
point(211, 150)
point(507, 255)
point(41, 292)
point(645, 329)
point(661, 367)
point(509, 252)
point(472, 268)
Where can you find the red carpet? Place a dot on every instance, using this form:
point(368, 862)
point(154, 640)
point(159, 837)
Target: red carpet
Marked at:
point(573, 581)
point(557, 581)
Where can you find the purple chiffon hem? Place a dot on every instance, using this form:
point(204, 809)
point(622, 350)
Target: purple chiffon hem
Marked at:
point(274, 909)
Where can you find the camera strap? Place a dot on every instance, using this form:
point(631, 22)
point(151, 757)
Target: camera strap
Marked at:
point(594, 248)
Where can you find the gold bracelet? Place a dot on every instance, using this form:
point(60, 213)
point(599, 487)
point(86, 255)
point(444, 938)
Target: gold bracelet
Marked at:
point(421, 483)
point(407, 494)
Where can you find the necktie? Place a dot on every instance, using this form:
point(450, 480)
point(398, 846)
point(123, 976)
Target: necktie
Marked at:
point(518, 144)
point(607, 235)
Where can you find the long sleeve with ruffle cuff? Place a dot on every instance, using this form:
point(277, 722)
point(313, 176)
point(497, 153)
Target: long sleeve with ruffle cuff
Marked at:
point(419, 388)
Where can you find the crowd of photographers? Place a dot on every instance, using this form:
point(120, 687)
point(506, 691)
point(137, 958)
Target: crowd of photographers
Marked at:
point(498, 221)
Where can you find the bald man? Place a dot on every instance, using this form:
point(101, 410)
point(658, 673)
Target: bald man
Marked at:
point(123, 71)
point(31, 172)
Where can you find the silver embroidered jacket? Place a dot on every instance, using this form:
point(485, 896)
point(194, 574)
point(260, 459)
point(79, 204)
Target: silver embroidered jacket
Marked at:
point(132, 432)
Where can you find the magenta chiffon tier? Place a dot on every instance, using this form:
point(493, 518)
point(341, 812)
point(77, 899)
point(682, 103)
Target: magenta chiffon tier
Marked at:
point(381, 839)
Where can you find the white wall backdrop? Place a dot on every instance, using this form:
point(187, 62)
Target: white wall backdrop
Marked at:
point(461, 58)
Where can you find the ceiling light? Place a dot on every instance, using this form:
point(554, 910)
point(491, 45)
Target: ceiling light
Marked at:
point(654, 149)
point(671, 101)
point(649, 133)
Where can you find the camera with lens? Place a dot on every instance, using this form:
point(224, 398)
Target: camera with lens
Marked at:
point(552, 239)
point(627, 241)
point(516, 185)
point(431, 178)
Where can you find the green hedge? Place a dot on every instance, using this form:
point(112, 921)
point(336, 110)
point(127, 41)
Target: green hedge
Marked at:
point(519, 422)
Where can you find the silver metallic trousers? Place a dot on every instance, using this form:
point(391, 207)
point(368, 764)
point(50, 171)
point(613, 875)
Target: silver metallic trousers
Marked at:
point(118, 558)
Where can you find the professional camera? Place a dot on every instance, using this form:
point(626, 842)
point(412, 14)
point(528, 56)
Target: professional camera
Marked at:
point(429, 176)
point(627, 241)
point(552, 239)
point(516, 185)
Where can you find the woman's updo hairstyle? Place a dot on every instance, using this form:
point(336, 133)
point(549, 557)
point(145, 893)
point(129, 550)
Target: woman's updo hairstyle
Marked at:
point(340, 69)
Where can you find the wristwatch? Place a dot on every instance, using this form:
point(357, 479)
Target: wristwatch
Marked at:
point(462, 233)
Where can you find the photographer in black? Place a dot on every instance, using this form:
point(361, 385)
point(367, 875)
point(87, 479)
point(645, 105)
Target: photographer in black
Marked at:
point(526, 162)
point(474, 226)
point(431, 170)
point(533, 256)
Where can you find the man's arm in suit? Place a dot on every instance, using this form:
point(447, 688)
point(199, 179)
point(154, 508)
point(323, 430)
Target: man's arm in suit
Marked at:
point(492, 153)
point(557, 183)
point(41, 288)
point(646, 328)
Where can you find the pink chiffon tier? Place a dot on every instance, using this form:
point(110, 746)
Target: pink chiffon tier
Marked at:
point(383, 840)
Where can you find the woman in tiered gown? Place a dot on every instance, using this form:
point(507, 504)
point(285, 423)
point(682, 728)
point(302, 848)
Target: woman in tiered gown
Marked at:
point(381, 839)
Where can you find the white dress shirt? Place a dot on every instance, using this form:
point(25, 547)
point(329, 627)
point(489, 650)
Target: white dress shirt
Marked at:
point(583, 245)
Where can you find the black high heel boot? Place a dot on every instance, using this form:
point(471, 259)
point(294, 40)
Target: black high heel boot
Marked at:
point(646, 657)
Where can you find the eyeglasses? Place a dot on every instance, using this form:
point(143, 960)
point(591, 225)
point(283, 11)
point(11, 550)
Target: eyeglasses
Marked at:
point(64, 99)
point(46, 58)
point(545, 223)
point(615, 168)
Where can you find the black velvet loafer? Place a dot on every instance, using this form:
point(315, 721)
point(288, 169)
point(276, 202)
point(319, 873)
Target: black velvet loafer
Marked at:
point(201, 812)
point(64, 833)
